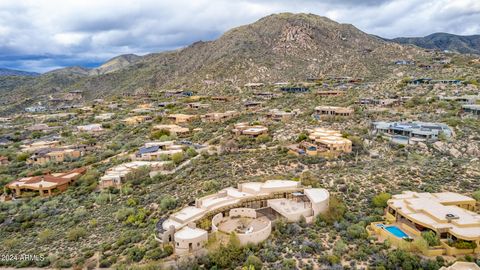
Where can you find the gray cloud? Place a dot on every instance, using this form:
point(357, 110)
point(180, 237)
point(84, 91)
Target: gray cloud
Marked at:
point(40, 35)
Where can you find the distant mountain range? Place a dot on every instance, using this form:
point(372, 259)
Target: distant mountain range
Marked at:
point(277, 48)
point(444, 41)
point(13, 72)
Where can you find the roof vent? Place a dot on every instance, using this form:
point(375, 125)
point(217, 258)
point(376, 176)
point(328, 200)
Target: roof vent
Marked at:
point(450, 217)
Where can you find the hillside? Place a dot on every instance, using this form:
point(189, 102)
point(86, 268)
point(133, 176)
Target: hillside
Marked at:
point(14, 72)
point(445, 41)
point(280, 47)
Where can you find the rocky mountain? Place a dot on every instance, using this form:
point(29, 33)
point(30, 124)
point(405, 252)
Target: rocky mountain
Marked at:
point(445, 41)
point(279, 47)
point(115, 64)
point(109, 66)
point(13, 72)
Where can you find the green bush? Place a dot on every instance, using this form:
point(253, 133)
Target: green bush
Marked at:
point(431, 237)
point(460, 244)
point(254, 261)
point(76, 233)
point(476, 195)
point(381, 199)
point(168, 202)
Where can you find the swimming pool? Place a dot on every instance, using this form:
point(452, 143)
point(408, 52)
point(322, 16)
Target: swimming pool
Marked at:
point(396, 231)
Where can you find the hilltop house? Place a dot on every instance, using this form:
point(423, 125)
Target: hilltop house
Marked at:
point(295, 89)
point(222, 98)
point(248, 130)
point(247, 211)
point(450, 216)
point(218, 117)
point(472, 109)
point(35, 109)
point(31, 146)
point(116, 175)
point(254, 85)
point(173, 129)
point(137, 119)
point(92, 128)
point(46, 185)
point(182, 118)
point(266, 95)
point(252, 105)
point(332, 111)
point(278, 115)
point(405, 62)
point(465, 99)
point(198, 105)
point(321, 141)
point(411, 132)
point(157, 150)
point(56, 155)
point(326, 93)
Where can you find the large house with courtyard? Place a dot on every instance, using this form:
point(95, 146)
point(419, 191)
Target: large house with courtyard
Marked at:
point(248, 211)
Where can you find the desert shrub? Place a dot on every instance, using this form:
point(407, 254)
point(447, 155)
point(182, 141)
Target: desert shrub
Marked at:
point(177, 158)
point(76, 233)
point(46, 236)
point(381, 199)
point(253, 261)
point(431, 238)
point(168, 202)
point(335, 212)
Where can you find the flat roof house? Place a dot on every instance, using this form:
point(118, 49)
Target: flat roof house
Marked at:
point(329, 111)
point(472, 109)
point(137, 119)
point(46, 185)
point(279, 115)
point(266, 95)
point(254, 85)
point(198, 105)
point(218, 116)
point(116, 175)
point(322, 141)
point(92, 128)
point(451, 216)
point(248, 130)
point(295, 89)
point(247, 210)
point(182, 118)
point(173, 129)
point(38, 144)
point(252, 105)
point(465, 99)
point(156, 150)
point(326, 93)
point(56, 155)
point(411, 132)
point(461, 266)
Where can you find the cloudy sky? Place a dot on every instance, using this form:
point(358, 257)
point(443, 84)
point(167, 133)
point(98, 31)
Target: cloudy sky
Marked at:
point(41, 35)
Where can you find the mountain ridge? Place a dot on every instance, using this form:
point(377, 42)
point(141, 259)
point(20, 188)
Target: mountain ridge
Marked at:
point(278, 47)
point(16, 72)
point(444, 41)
